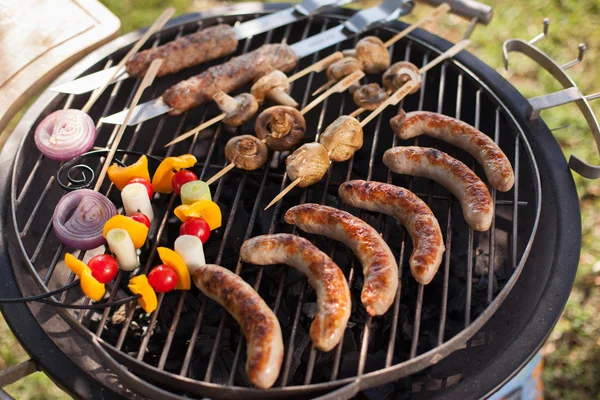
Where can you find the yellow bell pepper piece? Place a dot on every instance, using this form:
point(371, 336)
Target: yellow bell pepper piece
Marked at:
point(137, 231)
point(174, 261)
point(139, 285)
point(121, 175)
point(89, 285)
point(161, 181)
point(209, 210)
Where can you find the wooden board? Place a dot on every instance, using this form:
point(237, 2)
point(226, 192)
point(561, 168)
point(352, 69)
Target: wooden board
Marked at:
point(39, 39)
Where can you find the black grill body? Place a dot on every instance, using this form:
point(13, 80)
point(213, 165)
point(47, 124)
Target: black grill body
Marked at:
point(516, 329)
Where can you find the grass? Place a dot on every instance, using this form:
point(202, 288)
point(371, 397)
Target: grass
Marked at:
point(572, 353)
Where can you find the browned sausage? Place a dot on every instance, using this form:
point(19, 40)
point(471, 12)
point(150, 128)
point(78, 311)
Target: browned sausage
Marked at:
point(229, 76)
point(333, 295)
point(411, 212)
point(259, 323)
point(187, 51)
point(494, 162)
point(379, 266)
point(471, 192)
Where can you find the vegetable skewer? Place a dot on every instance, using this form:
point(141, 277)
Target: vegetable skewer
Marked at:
point(344, 129)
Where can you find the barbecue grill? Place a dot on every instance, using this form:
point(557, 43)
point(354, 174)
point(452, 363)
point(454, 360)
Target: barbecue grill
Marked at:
point(489, 309)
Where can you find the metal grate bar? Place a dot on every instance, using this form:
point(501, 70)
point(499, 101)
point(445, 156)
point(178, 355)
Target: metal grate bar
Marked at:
point(515, 210)
point(492, 242)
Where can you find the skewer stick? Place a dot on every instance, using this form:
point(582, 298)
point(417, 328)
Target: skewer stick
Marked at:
point(357, 112)
point(196, 129)
point(435, 14)
point(222, 172)
point(157, 25)
point(401, 93)
point(146, 82)
point(324, 87)
point(337, 88)
point(318, 66)
point(284, 192)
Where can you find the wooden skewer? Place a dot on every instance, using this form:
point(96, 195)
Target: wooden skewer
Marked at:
point(324, 87)
point(146, 82)
point(222, 172)
point(284, 192)
point(318, 66)
point(197, 129)
point(337, 88)
point(156, 26)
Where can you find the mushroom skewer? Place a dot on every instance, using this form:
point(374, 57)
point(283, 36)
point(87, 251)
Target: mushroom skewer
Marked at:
point(279, 128)
point(275, 86)
point(344, 136)
point(371, 54)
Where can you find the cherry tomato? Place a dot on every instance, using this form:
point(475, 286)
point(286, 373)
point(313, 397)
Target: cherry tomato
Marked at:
point(140, 217)
point(144, 182)
point(196, 226)
point(104, 267)
point(162, 278)
point(181, 178)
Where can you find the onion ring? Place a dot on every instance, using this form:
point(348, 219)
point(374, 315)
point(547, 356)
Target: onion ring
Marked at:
point(65, 134)
point(83, 228)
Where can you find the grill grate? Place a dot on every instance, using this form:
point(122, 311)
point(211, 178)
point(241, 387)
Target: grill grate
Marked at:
point(191, 337)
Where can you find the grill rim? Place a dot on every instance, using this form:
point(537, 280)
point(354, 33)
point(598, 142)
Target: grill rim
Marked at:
point(194, 17)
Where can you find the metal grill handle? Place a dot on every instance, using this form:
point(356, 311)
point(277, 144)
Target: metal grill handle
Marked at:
point(469, 9)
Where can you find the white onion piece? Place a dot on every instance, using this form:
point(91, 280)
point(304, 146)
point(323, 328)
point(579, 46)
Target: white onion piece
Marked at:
point(190, 249)
point(194, 191)
point(79, 218)
point(65, 134)
point(122, 247)
point(135, 199)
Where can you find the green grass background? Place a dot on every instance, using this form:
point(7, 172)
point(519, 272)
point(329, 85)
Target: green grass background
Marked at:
point(572, 353)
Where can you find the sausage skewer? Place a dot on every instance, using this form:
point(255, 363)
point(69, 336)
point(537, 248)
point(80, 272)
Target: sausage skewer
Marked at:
point(282, 127)
point(370, 53)
point(238, 110)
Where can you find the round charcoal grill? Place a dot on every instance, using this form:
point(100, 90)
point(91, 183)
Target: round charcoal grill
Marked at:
point(490, 307)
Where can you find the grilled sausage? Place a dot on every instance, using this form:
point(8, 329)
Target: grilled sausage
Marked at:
point(411, 212)
point(471, 192)
point(333, 295)
point(187, 51)
point(258, 322)
point(229, 76)
point(379, 266)
point(494, 162)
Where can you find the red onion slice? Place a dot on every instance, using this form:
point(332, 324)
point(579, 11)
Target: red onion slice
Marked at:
point(65, 134)
point(82, 228)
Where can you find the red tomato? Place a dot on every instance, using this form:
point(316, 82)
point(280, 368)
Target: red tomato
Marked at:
point(104, 267)
point(196, 226)
point(144, 182)
point(162, 278)
point(140, 217)
point(181, 178)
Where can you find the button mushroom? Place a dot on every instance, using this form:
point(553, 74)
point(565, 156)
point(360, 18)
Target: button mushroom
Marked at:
point(246, 152)
point(342, 138)
point(372, 54)
point(400, 73)
point(238, 109)
point(281, 127)
point(342, 68)
point(369, 96)
point(309, 162)
point(274, 86)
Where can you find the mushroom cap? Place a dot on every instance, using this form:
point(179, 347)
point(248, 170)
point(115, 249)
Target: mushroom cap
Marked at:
point(400, 73)
point(343, 68)
point(281, 127)
point(247, 107)
point(246, 152)
point(373, 55)
point(309, 162)
point(369, 96)
point(275, 79)
point(342, 138)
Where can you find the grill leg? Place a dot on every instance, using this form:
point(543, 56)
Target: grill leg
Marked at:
point(14, 374)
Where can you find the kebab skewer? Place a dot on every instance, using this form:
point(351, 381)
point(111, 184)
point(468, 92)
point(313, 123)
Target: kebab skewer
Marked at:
point(279, 128)
point(246, 68)
point(309, 163)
